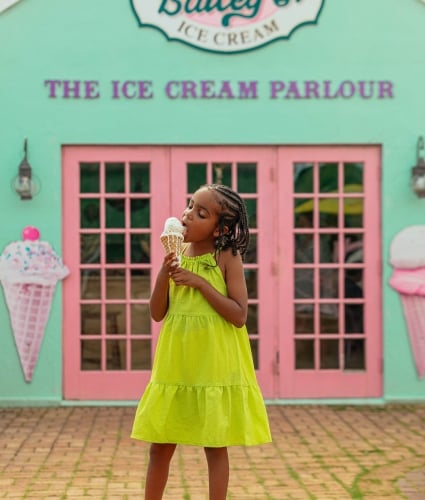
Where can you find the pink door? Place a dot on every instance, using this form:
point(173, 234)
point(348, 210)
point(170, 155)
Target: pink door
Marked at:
point(311, 334)
point(330, 272)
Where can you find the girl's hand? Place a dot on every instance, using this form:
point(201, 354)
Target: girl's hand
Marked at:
point(170, 263)
point(184, 277)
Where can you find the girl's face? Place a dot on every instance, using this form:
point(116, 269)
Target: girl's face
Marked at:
point(201, 217)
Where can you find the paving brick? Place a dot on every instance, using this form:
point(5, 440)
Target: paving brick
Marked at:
point(318, 452)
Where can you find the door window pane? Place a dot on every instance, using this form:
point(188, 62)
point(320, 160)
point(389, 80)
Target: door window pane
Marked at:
point(141, 354)
point(196, 176)
point(140, 213)
point(90, 355)
point(304, 354)
point(114, 178)
point(115, 248)
point(222, 173)
point(247, 177)
point(139, 177)
point(329, 354)
point(115, 212)
point(115, 354)
point(89, 177)
point(354, 354)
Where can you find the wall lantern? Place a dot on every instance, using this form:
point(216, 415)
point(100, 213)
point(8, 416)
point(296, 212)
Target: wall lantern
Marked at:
point(25, 183)
point(418, 171)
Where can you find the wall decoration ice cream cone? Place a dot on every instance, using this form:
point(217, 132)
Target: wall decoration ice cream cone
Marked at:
point(172, 237)
point(407, 256)
point(29, 271)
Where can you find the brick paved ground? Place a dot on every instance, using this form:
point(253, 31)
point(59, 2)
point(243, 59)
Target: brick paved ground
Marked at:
point(318, 452)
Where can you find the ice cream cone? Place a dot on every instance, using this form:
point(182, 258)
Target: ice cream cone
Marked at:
point(172, 243)
point(414, 312)
point(172, 237)
point(29, 307)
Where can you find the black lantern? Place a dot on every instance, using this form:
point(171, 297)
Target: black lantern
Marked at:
point(24, 183)
point(418, 171)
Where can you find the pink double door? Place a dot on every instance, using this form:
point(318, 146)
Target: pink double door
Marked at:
point(313, 267)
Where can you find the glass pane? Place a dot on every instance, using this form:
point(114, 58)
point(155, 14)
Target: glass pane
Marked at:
point(251, 253)
point(328, 177)
point(329, 318)
point(304, 283)
point(139, 177)
point(304, 248)
point(115, 283)
point(90, 284)
point(329, 355)
point(254, 350)
point(251, 277)
point(90, 355)
point(89, 177)
point(115, 212)
point(251, 210)
point(115, 318)
point(329, 285)
point(353, 177)
point(222, 173)
point(140, 283)
point(304, 318)
point(90, 248)
point(304, 354)
point(329, 209)
point(354, 354)
point(114, 178)
point(140, 319)
point(353, 208)
point(327, 247)
point(196, 176)
point(304, 218)
point(140, 213)
point(90, 319)
point(247, 177)
point(140, 248)
point(89, 210)
point(115, 355)
point(141, 355)
point(353, 248)
point(303, 177)
point(252, 319)
point(115, 249)
point(354, 318)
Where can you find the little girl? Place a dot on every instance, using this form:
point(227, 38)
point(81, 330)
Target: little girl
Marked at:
point(203, 389)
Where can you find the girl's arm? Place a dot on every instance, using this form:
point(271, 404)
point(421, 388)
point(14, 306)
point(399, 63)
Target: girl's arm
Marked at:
point(234, 307)
point(158, 303)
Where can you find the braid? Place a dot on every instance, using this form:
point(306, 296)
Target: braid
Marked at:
point(234, 217)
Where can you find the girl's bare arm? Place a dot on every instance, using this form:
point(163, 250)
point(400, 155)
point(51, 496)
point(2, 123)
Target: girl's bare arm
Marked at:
point(158, 303)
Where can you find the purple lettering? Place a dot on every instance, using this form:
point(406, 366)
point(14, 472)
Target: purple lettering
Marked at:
point(276, 87)
point(91, 89)
point(71, 89)
point(52, 85)
point(385, 89)
point(311, 87)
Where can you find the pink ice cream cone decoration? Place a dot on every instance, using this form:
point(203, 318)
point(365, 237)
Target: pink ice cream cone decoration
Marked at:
point(29, 271)
point(407, 256)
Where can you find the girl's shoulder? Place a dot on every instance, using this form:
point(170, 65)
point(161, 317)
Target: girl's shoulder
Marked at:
point(226, 259)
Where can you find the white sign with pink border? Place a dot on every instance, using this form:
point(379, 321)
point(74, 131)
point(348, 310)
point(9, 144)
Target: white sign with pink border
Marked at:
point(227, 26)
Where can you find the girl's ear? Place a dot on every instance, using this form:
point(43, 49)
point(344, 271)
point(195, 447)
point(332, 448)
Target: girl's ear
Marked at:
point(217, 231)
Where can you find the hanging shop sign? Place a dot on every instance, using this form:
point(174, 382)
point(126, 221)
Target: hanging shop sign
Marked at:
point(227, 26)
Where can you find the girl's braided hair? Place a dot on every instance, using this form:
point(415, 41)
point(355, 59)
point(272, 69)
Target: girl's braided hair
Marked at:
point(233, 216)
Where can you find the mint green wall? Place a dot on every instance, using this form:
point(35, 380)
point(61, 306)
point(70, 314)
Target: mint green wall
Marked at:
point(97, 40)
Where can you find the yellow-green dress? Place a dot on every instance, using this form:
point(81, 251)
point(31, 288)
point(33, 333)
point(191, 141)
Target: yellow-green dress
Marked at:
point(203, 389)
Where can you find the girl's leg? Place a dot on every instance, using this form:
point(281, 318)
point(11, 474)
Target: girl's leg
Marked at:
point(218, 472)
point(160, 456)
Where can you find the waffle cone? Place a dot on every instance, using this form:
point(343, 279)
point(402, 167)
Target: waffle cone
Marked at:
point(29, 307)
point(414, 313)
point(172, 242)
